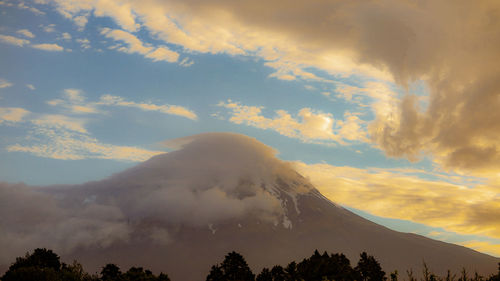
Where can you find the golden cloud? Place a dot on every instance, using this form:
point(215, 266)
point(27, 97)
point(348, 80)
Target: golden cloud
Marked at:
point(451, 45)
point(401, 194)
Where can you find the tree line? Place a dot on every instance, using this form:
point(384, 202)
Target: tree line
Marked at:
point(45, 265)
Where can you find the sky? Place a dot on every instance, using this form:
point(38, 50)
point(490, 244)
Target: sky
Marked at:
point(390, 108)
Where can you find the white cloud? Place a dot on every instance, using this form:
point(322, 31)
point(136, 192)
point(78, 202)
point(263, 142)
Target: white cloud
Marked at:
point(66, 144)
point(308, 125)
point(66, 138)
point(26, 33)
point(48, 47)
point(110, 100)
point(13, 40)
point(30, 86)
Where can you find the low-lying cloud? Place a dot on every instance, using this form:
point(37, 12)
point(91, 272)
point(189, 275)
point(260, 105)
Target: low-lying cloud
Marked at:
point(211, 179)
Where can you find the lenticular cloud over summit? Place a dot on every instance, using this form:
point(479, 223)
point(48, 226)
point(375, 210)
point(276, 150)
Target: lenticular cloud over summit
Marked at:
point(210, 179)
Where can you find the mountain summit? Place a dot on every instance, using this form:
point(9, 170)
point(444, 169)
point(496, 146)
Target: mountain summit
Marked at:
point(182, 211)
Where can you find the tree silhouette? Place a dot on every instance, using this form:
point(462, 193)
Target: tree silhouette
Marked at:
point(292, 272)
point(233, 268)
point(369, 268)
point(265, 275)
point(42, 265)
point(111, 272)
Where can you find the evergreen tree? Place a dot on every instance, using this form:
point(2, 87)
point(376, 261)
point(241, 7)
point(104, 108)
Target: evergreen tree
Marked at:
point(278, 273)
point(369, 268)
point(111, 272)
point(292, 272)
point(42, 265)
point(216, 274)
point(265, 275)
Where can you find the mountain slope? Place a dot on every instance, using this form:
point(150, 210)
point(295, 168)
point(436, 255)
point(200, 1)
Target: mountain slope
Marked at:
point(183, 211)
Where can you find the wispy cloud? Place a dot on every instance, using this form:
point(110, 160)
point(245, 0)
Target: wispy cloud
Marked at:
point(354, 38)
point(308, 125)
point(14, 40)
point(399, 194)
point(483, 246)
point(26, 33)
point(11, 115)
point(66, 36)
point(31, 87)
point(49, 28)
point(4, 83)
point(110, 100)
point(66, 138)
point(48, 47)
point(23, 6)
point(132, 44)
point(84, 43)
point(75, 102)
point(59, 142)
point(61, 122)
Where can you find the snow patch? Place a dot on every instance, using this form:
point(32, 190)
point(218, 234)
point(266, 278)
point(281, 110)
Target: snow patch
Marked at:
point(211, 227)
point(287, 223)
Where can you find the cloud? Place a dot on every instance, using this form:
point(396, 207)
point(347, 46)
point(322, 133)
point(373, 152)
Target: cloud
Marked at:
point(48, 47)
point(211, 179)
point(66, 36)
point(308, 126)
point(163, 54)
point(84, 43)
point(109, 100)
point(463, 207)
point(47, 223)
point(14, 40)
point(11, 115)
point(49, 28)
point(22, 5)
point(61, 122)
point(75, 102)
point(31, 87)
point(134, 45)
point(391, 40)
point(66, 138)
point(26, 33)
point(483, 246)
point(4, 83)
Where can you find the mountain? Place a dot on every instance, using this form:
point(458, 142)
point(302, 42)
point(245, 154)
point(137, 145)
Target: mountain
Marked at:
point(182, 211)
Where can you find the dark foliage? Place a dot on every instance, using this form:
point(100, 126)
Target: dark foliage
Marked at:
point(369, 268)
point(45, 265)
point(234, 267)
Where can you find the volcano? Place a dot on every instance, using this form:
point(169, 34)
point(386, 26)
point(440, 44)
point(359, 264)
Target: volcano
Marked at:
point(182, 211)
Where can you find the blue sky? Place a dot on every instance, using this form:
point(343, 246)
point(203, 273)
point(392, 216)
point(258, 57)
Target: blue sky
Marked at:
point(90, 88)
